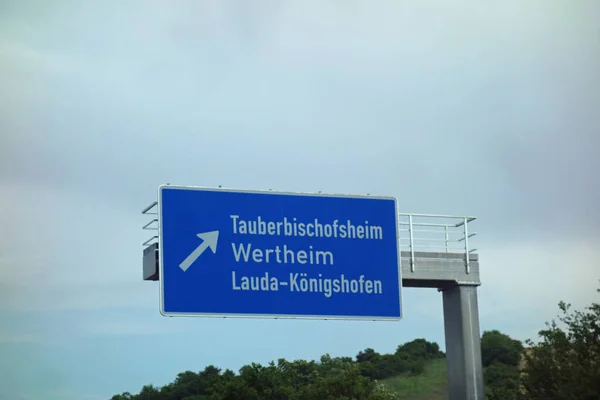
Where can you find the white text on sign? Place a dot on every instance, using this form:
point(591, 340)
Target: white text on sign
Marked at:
point(301, 282)
point(314, 228)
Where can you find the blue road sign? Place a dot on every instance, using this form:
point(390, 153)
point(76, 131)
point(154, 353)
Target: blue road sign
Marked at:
point(278, 255)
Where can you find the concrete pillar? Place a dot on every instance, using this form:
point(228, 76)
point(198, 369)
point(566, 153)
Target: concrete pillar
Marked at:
point(463, 345)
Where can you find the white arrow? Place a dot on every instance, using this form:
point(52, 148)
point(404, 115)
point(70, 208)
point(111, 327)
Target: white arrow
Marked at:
point(209, 239)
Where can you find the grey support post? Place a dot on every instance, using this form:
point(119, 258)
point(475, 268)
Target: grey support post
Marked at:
point(463, 346)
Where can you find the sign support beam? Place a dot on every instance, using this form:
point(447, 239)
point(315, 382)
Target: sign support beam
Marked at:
point(463, 343)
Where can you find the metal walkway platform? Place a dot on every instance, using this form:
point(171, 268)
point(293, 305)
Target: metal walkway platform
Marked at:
point(437, 252)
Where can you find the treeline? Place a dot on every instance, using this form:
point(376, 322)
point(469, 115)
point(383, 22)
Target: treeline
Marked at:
point(341, 378)
point(563, 365)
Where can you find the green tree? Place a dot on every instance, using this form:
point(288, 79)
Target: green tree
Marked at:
point(349, 384)
point(501, 381)
point(369, 355)
point(122, 396)
point(565, 364)
point(149, 392)
point(498, 347)
point(420, 349)
point(501, 357)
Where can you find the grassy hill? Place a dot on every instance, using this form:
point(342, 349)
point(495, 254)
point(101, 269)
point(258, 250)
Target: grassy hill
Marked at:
point(430, 385)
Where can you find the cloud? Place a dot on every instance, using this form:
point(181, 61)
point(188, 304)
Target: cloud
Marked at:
point(512, 115)
point(455, 109)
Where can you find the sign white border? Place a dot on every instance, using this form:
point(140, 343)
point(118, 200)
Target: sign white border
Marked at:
point(274, 316)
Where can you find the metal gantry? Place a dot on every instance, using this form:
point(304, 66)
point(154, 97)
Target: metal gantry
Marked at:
point(436, 253)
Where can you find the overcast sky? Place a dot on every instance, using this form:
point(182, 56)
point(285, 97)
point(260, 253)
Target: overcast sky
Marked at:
point(463, 107)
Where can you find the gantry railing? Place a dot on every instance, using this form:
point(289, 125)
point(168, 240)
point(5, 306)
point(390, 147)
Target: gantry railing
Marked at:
point(436, 234)
point(430, 233)
point(152, 225)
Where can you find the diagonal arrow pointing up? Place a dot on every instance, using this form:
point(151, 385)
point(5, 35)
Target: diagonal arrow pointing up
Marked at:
point(209, 239)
